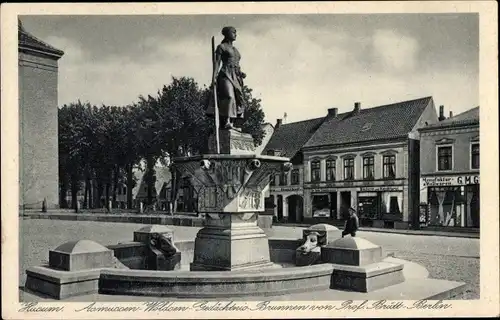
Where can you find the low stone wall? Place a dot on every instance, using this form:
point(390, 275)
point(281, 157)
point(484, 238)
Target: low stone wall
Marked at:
point(109, 217)
point(265, 222)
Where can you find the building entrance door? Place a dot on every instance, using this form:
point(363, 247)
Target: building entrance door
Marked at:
point(333, 205)
point(280, 207)
point(345, 198)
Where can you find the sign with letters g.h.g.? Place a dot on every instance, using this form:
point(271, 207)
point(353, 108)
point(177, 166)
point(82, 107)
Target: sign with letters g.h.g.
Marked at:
point(461, 180)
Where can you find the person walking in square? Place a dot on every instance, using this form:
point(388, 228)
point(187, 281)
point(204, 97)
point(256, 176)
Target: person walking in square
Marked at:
point(352, 223)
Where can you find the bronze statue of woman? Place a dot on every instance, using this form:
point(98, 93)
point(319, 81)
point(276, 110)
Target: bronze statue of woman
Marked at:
point(228, 80)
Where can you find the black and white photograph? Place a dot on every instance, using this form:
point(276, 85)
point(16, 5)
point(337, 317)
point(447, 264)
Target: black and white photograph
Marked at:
point(232, 160)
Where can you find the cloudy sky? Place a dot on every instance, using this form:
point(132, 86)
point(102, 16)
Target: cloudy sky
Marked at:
point(298, 64)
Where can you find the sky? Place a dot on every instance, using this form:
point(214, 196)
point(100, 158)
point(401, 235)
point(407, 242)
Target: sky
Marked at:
point(300, 65)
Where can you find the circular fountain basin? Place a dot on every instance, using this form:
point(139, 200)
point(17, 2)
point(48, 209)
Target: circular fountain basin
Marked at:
point(215, 284)
point(286, 278)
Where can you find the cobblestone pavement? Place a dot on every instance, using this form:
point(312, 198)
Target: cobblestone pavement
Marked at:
point(447, 258)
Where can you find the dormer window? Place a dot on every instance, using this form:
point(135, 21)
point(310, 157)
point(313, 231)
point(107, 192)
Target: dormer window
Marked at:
point(367, 126)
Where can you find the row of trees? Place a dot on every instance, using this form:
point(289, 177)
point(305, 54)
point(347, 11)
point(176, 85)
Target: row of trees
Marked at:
point(101, 146)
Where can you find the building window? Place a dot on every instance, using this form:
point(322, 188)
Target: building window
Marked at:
point(295, 176)
point(445, 158)
point(315, 171)
point(369, 168)
point(284, 178)
point(330, 170)
point(124, 190)
point(349, 169)
point(272, 180)
point(389, 167)
point(474, 156)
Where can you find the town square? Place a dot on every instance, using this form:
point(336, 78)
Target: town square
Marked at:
point(251, 158)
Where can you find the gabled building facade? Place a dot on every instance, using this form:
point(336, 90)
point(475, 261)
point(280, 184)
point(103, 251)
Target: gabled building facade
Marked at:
point(366, 159)
point(450, 171)
point(286, 188)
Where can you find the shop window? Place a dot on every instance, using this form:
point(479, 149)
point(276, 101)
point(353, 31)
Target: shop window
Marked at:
point(368, 207)
point(474, 155)
point(320, 206)
point(349, 169)
point(315, 170)
point(447, 207)
point(283, 178)
point(295, 176)
point(389, 167)
point(445, 158)
point(369, 168)
point(330, 170)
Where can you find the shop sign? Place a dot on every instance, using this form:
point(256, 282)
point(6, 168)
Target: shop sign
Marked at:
point(324, 190)
point(292, 189)
point(380, 189)
point(450, 180)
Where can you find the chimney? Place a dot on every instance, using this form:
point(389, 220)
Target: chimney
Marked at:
point(451, 114)
point(357, 107)
point(441, 113)
point(333, 112)
point(279, 122)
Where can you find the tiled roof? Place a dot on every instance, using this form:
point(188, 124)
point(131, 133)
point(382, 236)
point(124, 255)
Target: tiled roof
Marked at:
point(289, 138)
point(28, 41)
point(382, 122)
point(468, 117)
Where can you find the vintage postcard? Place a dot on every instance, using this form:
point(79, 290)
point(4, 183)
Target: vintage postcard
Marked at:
point(250, 160)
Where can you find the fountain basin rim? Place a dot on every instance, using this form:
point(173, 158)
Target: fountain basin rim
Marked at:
point(264, 275)
point(230, 157)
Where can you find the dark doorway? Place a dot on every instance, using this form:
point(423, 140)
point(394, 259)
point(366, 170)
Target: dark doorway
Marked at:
point(333, 205)
point(295, 208)
point(474, 205)
point(345, 204)
point(280, 207)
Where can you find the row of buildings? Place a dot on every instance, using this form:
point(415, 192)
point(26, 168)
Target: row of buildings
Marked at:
point(400, 165)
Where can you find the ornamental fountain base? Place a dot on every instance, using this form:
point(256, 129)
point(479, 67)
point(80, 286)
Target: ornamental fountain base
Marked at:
point(230, 188)
point(231, 242)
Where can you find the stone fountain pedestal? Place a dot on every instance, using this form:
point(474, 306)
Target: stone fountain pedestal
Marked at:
point(231, 187)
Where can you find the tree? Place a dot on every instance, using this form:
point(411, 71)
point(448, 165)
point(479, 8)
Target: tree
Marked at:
point(73, 147)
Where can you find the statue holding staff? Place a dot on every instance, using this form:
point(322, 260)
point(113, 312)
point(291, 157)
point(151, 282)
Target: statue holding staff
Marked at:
point(227, 79)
